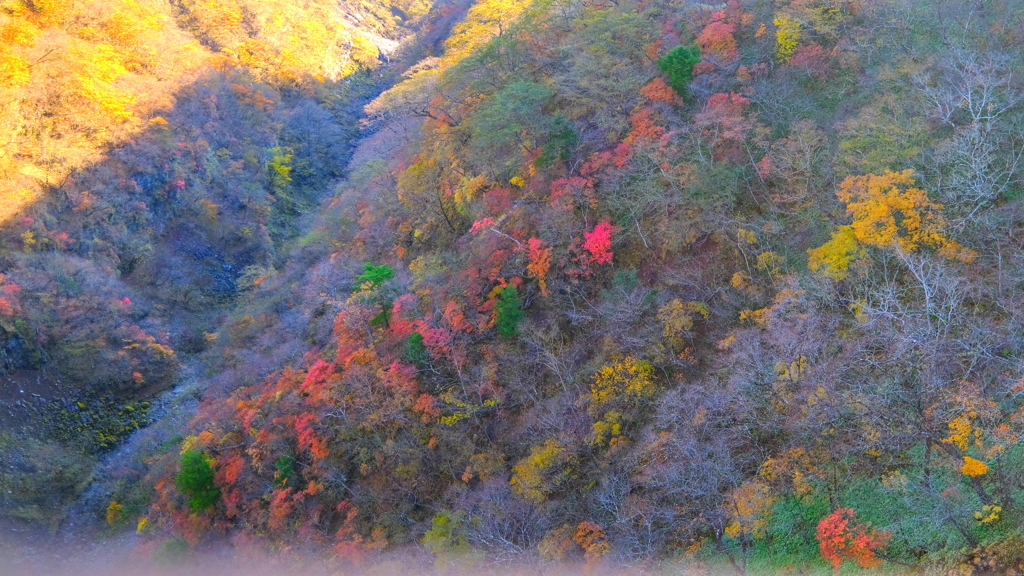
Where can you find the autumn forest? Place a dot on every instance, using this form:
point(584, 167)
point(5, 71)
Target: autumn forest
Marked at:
point(512, 286)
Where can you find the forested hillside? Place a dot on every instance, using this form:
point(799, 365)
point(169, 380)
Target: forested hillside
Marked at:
point(658, 284)
point(155, 158)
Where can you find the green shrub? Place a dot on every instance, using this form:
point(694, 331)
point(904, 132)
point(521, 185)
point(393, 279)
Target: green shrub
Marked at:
point(448, 541)
point(171, 552)
point(415, 351)
point(284, 475)
point(562, 141)
point(38, 479)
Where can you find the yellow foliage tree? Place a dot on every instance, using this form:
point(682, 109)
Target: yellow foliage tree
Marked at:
point(747, 508)
point(890, 213)
point(14, 70)
point(835, 256)
point(825, 17)
point(628, 383)
point(115, 511)
point(677, 317)
point(609, 426)
point(534, 477)
point(485, 20)
point(787, 37)
point(99, 65)
point(47, 12)
point(18, 32)
point(630, 379)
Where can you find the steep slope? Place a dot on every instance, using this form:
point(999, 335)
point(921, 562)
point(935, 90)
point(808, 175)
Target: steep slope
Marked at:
point(620, 283)
point(156, 157)
point(649, 280)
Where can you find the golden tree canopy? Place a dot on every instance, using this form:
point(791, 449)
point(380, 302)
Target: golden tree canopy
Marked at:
point(890, 213)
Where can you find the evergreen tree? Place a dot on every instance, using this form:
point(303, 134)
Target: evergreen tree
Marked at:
point(509, 311)
point(678, 66)
point(196, 481)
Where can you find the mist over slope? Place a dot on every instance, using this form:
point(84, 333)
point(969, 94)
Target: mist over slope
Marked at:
point(657, 285)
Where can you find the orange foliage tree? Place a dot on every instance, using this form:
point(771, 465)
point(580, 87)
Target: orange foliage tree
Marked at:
point(592, 538)
point(540, 262)
point(717, 39)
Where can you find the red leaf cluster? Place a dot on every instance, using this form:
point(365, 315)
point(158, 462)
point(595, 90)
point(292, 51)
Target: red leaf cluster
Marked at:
point(841, 537)
point(599, 242)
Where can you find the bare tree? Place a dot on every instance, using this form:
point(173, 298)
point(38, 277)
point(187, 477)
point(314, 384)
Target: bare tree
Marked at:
point(981, 86)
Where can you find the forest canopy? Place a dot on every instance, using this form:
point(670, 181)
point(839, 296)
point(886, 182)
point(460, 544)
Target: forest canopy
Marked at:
point(717, 288)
